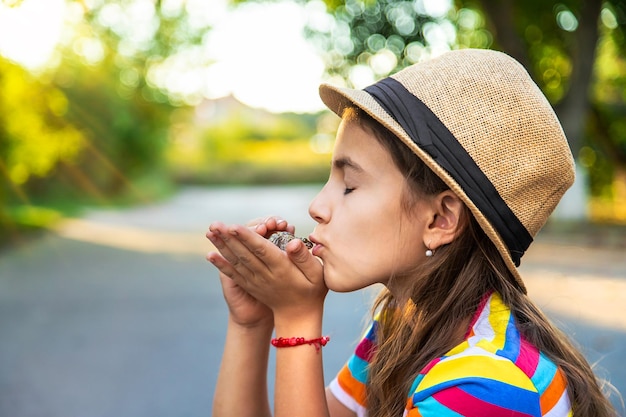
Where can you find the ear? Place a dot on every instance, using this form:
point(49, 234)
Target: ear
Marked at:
point(445, 222)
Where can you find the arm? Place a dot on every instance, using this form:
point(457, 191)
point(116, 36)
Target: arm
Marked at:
point(299, 387)
point(336, 408)
point(242, 380)
point(244, 364)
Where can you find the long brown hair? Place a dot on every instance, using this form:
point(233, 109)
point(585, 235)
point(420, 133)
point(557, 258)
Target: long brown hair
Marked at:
point(444, 293)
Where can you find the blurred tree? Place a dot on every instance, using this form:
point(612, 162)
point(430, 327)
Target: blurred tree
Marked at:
point(97, 118)
point(142, 42)
point(227, 142)
point(574, 49)
point(115, 72)
point(371, 39)
point(559, 42)
point(34, 135)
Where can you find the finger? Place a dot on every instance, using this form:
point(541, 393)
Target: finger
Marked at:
point(283, 226)
point(255, 222)
point(258, 225)
point(225, 268)
point(310, 266)
point(223, 241)
point(216, 228)
point(249, 250)
point(212, 236)
point(276, 223)
point(261, 229)
point(271, 225)
point(290, 228)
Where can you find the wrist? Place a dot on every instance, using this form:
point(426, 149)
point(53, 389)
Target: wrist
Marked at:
point(262, 328)
point(318, 342)
point(307, 326)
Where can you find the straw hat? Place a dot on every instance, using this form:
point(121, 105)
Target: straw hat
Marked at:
point(477, 119)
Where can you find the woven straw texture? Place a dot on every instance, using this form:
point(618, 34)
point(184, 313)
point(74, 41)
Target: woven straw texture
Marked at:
point(498, 114)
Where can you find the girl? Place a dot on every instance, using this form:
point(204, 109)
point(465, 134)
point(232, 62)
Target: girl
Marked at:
point(441, 175)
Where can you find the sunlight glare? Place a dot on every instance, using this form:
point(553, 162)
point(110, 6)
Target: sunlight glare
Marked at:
point(30, 31)
point(256, 52)
point(361, 76)
point(433, 8)
point(383, 62)
point(264, 60)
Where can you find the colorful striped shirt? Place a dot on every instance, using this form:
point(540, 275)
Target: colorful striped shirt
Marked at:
point(494, 372)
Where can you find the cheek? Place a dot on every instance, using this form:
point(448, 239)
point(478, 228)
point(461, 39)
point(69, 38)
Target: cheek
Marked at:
point(369, 236)
point(368, 245)
point(387, 248)
point(348, 266)
point(358, 264)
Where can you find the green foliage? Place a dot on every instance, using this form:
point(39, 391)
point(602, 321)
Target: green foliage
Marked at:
point(94, 125)
point(34, 134)
point(471, 29)
point(606, 136)
point(35, 138)
point(383, 35)
point(125, 134)
point(248, 146)
point(139, 39)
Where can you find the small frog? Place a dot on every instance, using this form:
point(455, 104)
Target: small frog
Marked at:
point(281, 239)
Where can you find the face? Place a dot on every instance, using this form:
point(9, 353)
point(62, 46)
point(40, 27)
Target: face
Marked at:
point(364, 235)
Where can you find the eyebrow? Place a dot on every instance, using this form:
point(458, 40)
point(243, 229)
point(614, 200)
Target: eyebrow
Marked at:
point(346, 162)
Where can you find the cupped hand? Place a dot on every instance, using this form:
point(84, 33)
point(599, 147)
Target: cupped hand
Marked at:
point(288, 282)
point(268, 225)
point(245, 310)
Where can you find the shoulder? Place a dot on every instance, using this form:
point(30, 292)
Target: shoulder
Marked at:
point(476, 382)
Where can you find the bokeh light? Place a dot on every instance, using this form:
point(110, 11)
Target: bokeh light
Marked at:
point(30, 30)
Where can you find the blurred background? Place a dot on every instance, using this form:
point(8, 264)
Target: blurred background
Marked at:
point(127, 126)
point(120, 102)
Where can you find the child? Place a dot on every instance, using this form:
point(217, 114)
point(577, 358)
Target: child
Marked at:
point(441, 176)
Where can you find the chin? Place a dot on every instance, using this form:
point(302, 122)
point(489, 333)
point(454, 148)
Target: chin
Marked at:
point(342, 289)
point(342, 285)
point(336, 285)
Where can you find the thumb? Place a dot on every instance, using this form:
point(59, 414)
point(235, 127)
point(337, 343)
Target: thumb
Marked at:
point(299, 254)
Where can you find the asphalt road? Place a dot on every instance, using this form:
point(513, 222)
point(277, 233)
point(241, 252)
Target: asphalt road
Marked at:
point(118, 314)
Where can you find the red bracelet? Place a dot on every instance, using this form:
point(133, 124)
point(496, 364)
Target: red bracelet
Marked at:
point(282, 342)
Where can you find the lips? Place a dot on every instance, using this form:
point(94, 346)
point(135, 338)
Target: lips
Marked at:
point(317, 246)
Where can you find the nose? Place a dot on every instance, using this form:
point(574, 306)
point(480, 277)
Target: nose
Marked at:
point(319, 209)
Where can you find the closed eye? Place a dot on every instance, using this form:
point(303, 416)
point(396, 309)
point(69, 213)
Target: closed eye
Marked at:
point(347, 191)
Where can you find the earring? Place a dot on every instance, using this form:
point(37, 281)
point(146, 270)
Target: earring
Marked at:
point(429, 252)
